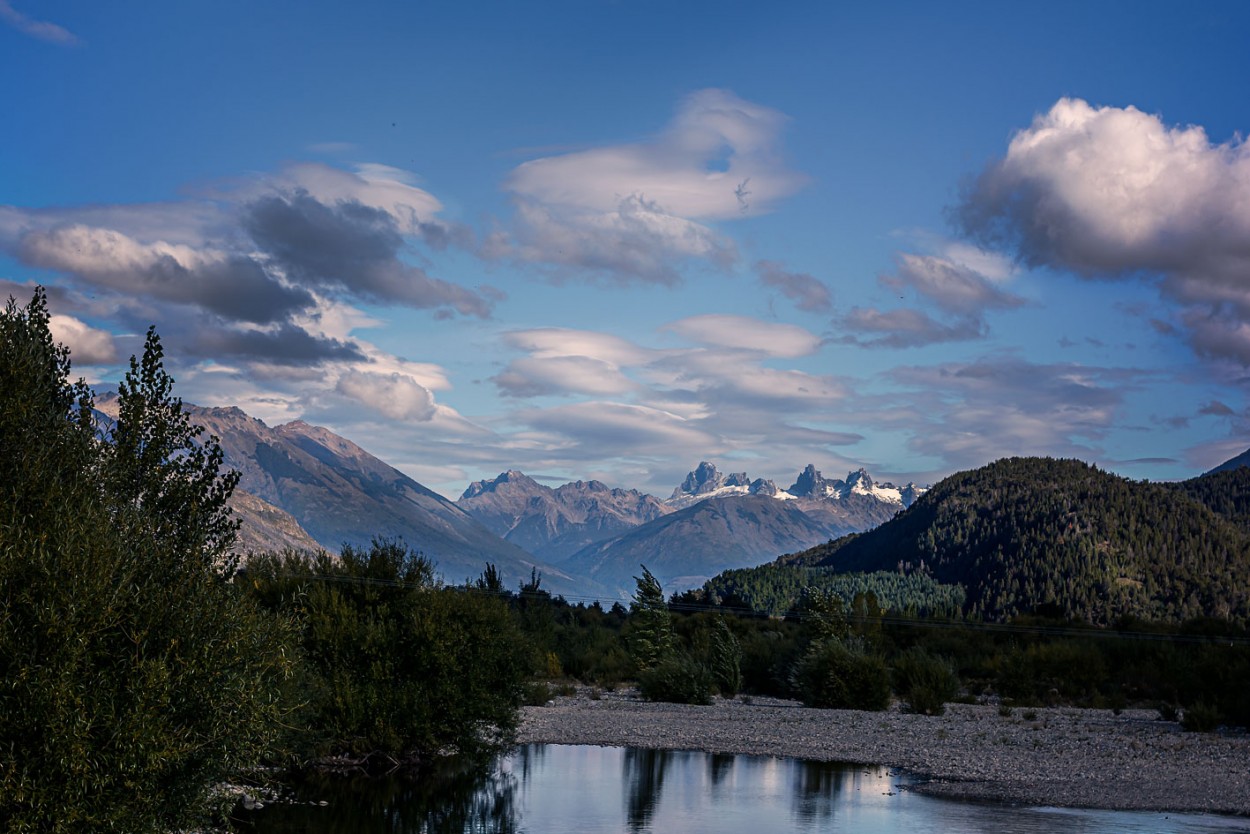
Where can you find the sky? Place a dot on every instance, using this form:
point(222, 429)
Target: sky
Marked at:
point(613, 239)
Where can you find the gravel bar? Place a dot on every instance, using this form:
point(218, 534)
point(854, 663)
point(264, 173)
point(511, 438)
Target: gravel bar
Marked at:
point(1059, 756)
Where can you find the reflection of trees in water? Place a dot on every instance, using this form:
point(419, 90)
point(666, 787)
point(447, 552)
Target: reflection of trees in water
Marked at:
point(644, 779)
point(816, 788)
point(457, 799)
point(718, 767)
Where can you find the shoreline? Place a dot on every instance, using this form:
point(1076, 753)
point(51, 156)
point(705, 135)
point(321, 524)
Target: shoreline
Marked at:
point(1044, 756)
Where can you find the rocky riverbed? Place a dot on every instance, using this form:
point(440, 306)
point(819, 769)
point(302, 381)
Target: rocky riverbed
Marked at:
point(1044, 756)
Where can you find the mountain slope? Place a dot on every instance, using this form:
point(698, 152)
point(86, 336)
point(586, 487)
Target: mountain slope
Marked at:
point(1026, 532)
point(341, 494)
point(555, 523)
point(264, 527)
point(689, 546)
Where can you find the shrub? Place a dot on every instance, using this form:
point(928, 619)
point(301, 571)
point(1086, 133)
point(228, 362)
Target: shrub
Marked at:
point(678, 680)
point(836, 674)
point(1201, 718)
point(926, 682)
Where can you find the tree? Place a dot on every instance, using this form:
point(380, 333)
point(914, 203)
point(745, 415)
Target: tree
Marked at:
point(651, 628)
point(135, 676)
point(396, 664)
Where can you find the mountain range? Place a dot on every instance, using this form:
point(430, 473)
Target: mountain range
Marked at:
point(304, 487)
point(712, 521)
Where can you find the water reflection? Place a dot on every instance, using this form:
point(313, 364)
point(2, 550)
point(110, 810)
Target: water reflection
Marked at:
point(644, 780)
point(604, 790)
point(816, 787)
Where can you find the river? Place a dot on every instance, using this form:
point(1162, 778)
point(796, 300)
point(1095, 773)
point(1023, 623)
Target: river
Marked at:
point(548, 789)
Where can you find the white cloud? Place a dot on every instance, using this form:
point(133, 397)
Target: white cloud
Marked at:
point(636, 211)
point(41, 29)
point(744, 333)
point(1115, 192)
point(395, 395)
point(87, 345)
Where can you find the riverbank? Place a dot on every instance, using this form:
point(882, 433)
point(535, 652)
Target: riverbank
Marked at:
point(1044, 756)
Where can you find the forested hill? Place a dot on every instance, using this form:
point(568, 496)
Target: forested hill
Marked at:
point(1029, 534)
point(1226, 491)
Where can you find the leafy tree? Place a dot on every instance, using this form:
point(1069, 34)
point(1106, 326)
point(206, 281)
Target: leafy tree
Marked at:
point(135, 677)
point(397, 664)
point(725, 658)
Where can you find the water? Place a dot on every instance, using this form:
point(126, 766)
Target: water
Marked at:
point(547, 789)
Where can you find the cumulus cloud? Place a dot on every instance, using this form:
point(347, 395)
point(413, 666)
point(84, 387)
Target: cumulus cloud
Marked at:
point(807, 292)
point(87, 345)
point(637, 211)
point(396, 396)
point(41, 29)
point(1111, 192)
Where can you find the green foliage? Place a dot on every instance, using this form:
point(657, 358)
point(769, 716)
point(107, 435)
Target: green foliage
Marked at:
point(774, 589)
point(927, 683)
point(650, 634)
point(1033, 534)
point(839, 674)
point(677, 679)
point(135, 676)
point(165, 480)
point(396, 663)
point(725, 659)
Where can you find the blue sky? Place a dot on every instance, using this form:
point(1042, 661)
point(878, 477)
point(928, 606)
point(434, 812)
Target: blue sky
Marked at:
point(611, 240)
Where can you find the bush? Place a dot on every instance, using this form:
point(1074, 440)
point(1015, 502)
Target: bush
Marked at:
point(1201, 718)
point(837, 674)
point(925, 682)
point(677, 680)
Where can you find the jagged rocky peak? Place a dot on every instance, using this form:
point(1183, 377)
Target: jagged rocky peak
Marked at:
point(910, 493)
point(810, 483)
point(737, 479)
point(512, 476)
point(860, 478)
point(705, 478)
point(763, 486)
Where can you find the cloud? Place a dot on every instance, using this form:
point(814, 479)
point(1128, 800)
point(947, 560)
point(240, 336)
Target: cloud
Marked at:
point(597, 430)
point(41, 29)
point(966, 414)
point(744, 333)
point(348, 248)
point(396, 396)
point(636, 212)
point(954, 287)
point(285, 345)
point(1111, 192)
point(254, 268)
point(539, 376)
point(1215, 408)
point(903, 328)
point(807, 293)
point(231, 285)
point(87, 345)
